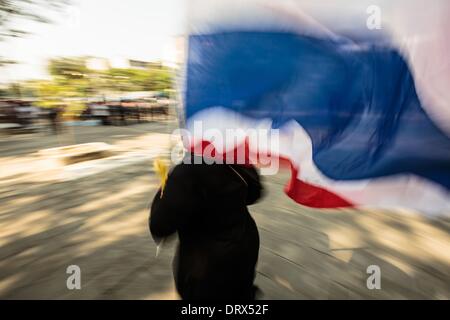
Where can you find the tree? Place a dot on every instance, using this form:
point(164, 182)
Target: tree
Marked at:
point(159, 79)
point(68, 68)
point(151, 79)
point(73, 74)
point(13, 11)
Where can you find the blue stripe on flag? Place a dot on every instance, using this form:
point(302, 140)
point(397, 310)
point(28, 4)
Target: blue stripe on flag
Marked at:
point(358, 103)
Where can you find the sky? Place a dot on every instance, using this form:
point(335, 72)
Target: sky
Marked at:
point(114, 29)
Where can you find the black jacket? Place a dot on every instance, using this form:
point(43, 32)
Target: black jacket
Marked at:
point(218, 239)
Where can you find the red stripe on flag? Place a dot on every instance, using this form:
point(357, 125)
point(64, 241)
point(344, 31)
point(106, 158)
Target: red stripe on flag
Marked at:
point(301, 192)
point(311, 195)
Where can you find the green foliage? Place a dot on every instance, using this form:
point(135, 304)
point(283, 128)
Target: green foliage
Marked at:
point(73, 73)
point(72, 82)
point(159, 79)
point(68, 68)
point(151, 79)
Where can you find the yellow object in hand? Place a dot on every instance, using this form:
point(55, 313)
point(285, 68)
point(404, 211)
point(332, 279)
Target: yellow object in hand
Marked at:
point(162, 169)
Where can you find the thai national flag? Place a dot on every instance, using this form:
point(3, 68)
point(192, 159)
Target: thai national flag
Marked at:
point(363, 109)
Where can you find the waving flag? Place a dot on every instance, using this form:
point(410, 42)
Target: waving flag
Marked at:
point(363, 113)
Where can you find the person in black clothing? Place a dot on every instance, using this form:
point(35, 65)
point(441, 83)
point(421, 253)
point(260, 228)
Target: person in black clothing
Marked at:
point(218, 239)
point(54, 115)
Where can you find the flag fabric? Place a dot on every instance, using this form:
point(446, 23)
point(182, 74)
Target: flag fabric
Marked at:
point(363, 113)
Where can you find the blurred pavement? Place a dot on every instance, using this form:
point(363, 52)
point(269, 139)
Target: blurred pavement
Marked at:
point(94, 215)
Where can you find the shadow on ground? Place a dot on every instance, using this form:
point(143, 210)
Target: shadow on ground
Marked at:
point(99, 223)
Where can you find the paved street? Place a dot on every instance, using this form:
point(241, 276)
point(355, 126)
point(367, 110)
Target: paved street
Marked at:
point(94, 215)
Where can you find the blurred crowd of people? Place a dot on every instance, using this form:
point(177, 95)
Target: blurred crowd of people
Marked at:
point(20, 114)
point(125, 111)
point(23, 114)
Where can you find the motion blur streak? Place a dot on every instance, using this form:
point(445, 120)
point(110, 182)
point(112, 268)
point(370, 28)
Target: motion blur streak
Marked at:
point(356, 131)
